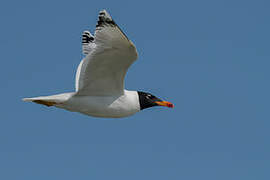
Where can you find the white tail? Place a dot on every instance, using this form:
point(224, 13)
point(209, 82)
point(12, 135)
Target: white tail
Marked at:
point(50, 100)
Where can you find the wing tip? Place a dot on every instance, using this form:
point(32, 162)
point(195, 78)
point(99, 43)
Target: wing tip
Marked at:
point(87, 37)
point(104, 19)
point(103, 12)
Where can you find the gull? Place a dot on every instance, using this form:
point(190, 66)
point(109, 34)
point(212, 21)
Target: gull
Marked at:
point(100, 76)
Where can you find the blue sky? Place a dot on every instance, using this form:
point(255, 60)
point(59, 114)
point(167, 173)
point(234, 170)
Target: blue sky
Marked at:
point(210, 58)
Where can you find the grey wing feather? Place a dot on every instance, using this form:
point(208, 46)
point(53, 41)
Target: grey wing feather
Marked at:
point(103, 70)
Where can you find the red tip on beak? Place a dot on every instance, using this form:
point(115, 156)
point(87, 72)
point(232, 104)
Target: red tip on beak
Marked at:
point(170, 105)
point(165, 103)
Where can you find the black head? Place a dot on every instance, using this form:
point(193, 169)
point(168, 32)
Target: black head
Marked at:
point(148, 100)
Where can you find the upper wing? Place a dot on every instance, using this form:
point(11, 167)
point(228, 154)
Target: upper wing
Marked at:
point(103, 70)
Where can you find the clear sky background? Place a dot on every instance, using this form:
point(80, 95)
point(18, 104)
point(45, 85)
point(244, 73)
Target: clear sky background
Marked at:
point(210, 58)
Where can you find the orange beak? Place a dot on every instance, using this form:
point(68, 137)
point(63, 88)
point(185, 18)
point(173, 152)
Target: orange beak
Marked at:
point(164, 103)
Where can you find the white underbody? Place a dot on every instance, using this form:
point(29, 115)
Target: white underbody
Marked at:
point(98, 106)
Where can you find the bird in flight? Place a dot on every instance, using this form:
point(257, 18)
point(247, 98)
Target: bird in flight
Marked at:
point(100, 76)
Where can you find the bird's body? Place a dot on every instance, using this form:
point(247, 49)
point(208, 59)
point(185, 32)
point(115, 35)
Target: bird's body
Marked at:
point(104, 106)
point(100, 76)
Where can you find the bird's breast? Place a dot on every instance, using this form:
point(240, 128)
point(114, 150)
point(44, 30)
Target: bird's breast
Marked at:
point(105, 106)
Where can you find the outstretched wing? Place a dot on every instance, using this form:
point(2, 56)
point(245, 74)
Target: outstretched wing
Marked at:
point(103, 70)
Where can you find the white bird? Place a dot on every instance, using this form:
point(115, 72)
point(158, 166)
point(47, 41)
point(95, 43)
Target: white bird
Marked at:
point(100, 76)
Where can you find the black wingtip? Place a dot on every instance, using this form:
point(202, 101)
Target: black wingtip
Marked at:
point(104, 19)
point(86, 37)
